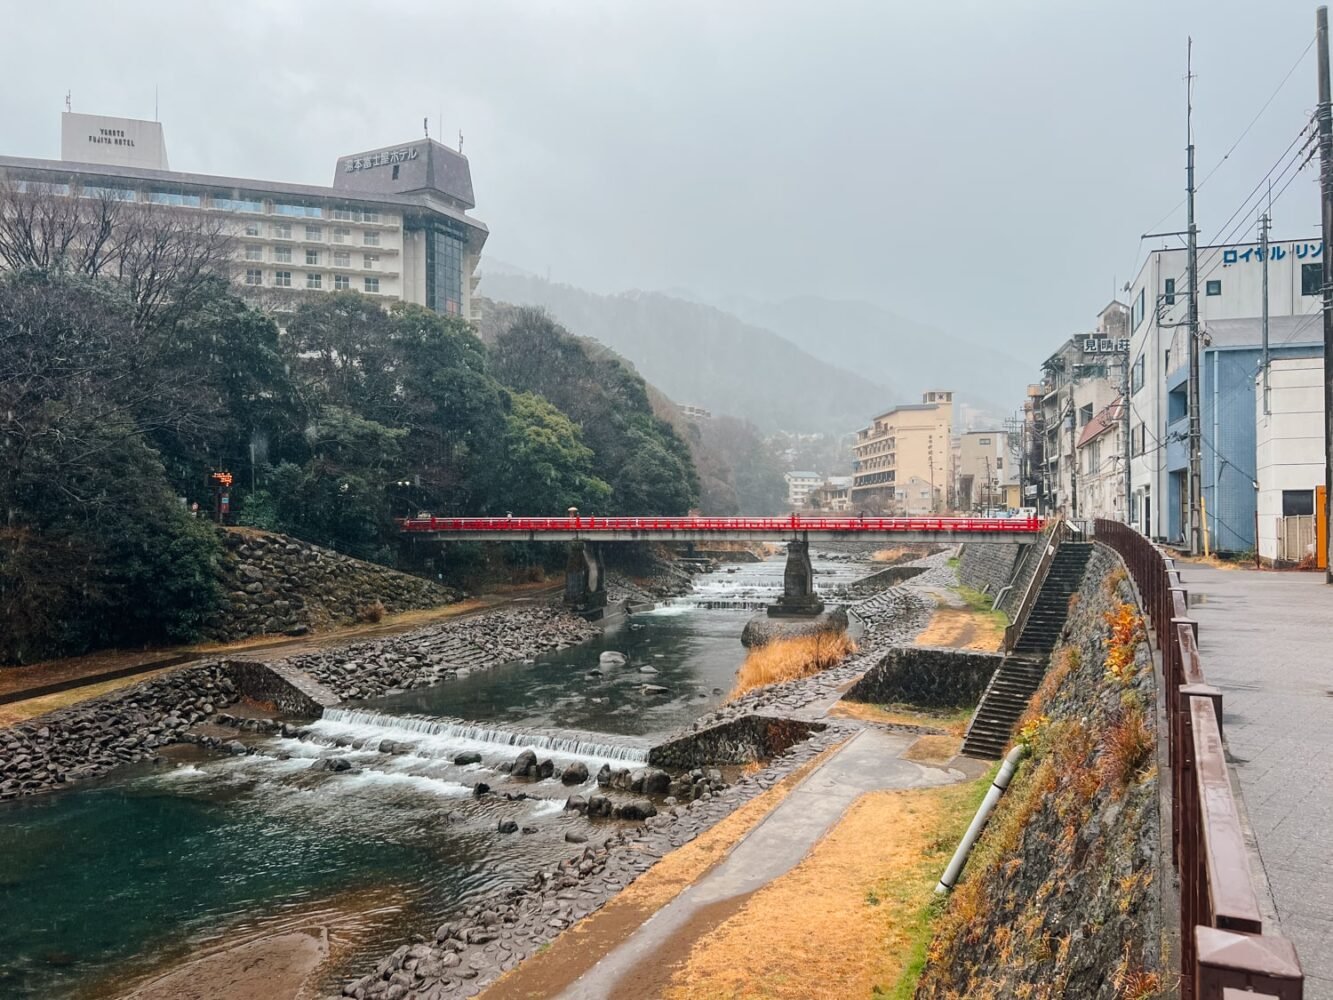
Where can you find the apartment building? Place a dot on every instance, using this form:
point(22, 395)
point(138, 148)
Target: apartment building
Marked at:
point(984, 469)
point(799, 487)
point(393, 223)
point(913, 441)
point(1230, 310)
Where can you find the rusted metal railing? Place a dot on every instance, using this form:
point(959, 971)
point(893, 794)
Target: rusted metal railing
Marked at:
point(1223, 942)
point(1048, 543)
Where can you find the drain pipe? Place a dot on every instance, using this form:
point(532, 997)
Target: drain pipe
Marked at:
point(950, 877)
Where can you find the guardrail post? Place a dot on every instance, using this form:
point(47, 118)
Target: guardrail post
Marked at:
point(1233, 960)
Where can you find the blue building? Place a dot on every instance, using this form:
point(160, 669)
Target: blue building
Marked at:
point(1229, 363)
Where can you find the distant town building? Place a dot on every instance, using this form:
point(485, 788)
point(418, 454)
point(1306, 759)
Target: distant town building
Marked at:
point(695, 412)
point(1289, 460)
point(1230, 306)
point(984, 468)
point(799, 486)
point(1079, 381)
point(392, 225)
point(834, 494)
point(916, 497)
point(1101, 464)
point(906, 442)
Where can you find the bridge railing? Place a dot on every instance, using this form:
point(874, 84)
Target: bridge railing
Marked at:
point(1223, 942)
point(770, 525)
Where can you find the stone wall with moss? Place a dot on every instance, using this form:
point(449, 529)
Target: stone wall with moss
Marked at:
point(1061, 897)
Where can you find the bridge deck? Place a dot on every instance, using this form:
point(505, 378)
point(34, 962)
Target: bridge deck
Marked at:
point(946, 530)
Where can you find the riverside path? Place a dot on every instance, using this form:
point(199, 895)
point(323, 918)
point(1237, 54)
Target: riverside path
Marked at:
point(1266, 638)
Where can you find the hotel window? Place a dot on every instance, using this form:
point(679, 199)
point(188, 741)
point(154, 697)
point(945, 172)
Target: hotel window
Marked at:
point(254, 276)
point(282, 230)
point(1169, 292)
point(343, 214)
point(1312, 279)
point(252, 229)
point(314, 281)
point(314, 233)
point(312, 258)
point(254, 252)
point(370, 261)
point(1136, 375)
point(1213, 288)
point(306, 211)
point(174, 198)
point(282, 279)
point(341, 282)
point(237, 204)
point(372, 285)
point(370, 239)
point(341, 258)
point(342, 235)
point(109, 194)
point(283, 255)
point(370, 216)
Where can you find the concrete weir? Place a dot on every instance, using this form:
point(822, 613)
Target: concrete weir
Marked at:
point(737, 741)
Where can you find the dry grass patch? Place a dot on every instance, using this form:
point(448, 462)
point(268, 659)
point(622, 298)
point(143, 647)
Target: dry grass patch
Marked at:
point(892, 555)
point(854, 917)
point(952, 722)
point(546, 973)
point(791, 659)
point(934, 750)
point(20, 711)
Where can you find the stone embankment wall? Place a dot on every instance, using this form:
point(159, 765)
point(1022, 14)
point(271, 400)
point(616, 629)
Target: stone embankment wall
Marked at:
point(1062, 895)
point(991, 566)
point(740, 741)
point(435, 653)
point(277, 584)
point(90, 738)
point(927, 676)
point(286, 689)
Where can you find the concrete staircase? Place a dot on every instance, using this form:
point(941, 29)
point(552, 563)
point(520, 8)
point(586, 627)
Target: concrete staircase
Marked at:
point(1047, 619)
point(1020, 674)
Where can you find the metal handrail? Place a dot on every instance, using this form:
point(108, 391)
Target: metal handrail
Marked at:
point(1014, 629)
point(777, 525)
point(1222, 938)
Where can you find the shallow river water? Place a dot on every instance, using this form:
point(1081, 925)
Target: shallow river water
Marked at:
point(106, 880)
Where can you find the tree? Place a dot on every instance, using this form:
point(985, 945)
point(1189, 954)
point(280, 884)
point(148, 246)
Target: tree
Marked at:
point(645, 462)
point(545, 467)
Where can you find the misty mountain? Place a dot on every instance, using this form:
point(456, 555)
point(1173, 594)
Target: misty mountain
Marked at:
point(700, 355)
point(891, 350)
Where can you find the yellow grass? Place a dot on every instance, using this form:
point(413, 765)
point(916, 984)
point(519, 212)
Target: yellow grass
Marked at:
point(852, 920)
point(20, 711)
point(890, 555)
point(791, 659)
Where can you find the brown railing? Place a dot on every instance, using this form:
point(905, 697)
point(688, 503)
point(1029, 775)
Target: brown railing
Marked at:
point(1222, 938)
point(1048, 542)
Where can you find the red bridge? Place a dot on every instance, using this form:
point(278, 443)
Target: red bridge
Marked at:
point(944, 530)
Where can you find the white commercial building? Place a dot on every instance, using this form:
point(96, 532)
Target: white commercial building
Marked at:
point(1230, 287)
point(799, 485)
point(1289, 452)
point(393, 223)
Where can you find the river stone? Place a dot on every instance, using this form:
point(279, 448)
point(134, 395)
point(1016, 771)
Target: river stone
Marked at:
point(652, 689)
point(545, 769)
point(604, 776)
point(575, 774)
point(635, 809)
point(611, 658)
point(468, 757)
point(525, 764)
point(507, 826)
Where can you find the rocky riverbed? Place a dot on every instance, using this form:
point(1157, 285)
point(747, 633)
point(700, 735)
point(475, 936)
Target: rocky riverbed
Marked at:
point(437, 653)
point(464, 956)
point(89, 739)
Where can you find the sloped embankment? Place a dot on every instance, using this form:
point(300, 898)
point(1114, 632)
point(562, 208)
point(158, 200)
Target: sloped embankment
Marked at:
point(273, 583)
point(1061, 896)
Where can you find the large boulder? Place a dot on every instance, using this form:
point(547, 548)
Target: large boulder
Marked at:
point(575, 774)
point(761, 629)
point(635, 809)
point(612, 659)
point(525, 765)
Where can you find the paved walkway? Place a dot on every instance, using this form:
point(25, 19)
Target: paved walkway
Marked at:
point(867, 762)
point(1266, 640)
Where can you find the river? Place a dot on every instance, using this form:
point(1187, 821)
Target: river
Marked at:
point(119, 876)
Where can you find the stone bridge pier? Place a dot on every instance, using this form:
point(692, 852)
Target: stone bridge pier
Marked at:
point(798, 584)
point(585, 580)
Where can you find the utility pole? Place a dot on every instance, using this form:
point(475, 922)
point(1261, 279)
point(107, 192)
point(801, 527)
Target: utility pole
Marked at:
point(1195, 442)
point(1126, 445)
point(1265, 221)
point(1325, 117)
point(1073, 454)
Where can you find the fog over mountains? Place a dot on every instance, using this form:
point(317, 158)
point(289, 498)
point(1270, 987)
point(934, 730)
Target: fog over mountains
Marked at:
point(805, 364)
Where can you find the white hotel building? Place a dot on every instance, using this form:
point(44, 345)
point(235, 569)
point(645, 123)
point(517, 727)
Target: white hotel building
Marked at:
point(393, 223)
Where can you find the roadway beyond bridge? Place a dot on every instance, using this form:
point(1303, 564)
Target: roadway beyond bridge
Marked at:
point(585, 576)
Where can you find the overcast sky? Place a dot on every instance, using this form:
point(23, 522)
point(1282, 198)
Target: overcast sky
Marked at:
point(984, 167)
